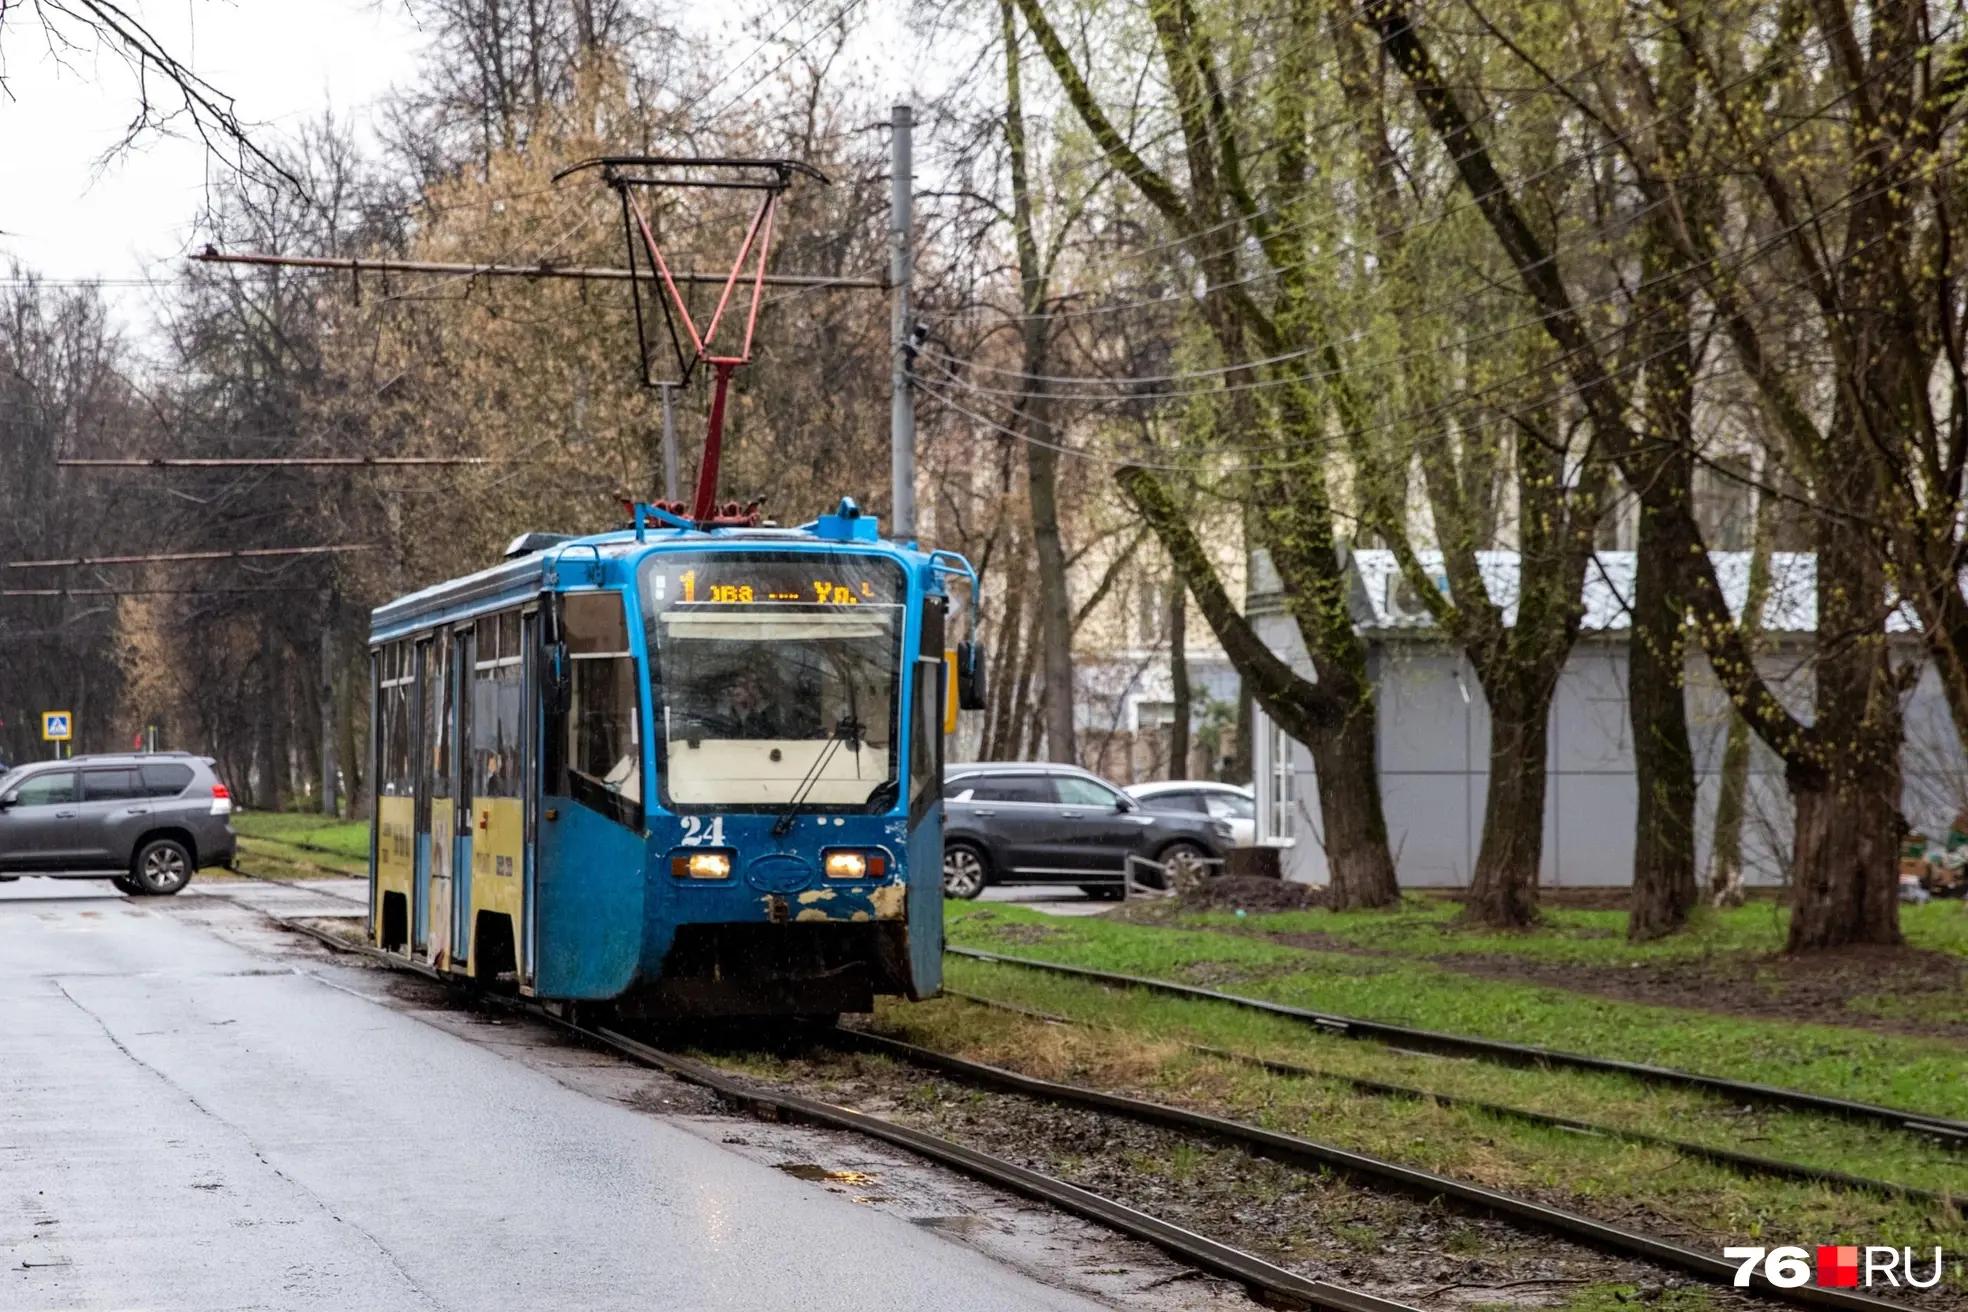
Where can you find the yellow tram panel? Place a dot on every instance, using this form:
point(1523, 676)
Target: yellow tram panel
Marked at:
point(396, 857)
point(498, 882)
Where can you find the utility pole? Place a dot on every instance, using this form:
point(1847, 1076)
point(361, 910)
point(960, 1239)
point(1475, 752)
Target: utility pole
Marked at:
point(669, 440)
point(902, 401)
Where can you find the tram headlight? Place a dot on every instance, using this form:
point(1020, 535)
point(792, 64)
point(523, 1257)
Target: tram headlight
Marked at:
point(702, 865)
point(856, 865)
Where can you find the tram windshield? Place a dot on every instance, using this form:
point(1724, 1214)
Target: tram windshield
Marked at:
point(774, 677)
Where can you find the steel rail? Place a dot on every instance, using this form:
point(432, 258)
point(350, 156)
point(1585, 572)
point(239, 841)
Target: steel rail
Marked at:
point(1199, 1251)
point(1952, 1132)
point(1748, 1163)
point(1304, 1152)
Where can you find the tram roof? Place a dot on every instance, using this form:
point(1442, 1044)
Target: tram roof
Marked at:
point(514, 580)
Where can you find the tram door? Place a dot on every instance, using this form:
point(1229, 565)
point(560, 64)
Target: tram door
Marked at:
point(437, 813)
point(529, 792)
point(419, 773)
point(463, 660)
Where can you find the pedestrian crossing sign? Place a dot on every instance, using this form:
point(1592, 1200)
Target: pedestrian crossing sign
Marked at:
point(57, 726)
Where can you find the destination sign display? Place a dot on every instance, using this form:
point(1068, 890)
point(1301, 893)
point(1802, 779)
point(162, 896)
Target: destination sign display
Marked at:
point(787, 580)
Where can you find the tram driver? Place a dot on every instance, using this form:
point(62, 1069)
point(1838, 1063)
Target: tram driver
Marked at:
point(749, 714)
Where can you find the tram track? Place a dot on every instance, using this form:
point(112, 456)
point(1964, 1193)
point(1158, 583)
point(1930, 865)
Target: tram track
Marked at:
point(1272, 1283)
point(1953, 1133)
point(1743, 1163)
point(1298, 1151)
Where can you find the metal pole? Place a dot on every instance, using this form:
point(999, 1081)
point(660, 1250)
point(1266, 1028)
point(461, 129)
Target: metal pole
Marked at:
point(902, 401)
point(669, 441)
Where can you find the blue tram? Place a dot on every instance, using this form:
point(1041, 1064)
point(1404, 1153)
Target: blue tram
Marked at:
point(688, 770)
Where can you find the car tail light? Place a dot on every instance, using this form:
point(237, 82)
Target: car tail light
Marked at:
point(221, 799)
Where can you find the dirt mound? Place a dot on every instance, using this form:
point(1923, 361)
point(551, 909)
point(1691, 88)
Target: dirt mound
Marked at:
point(1892, 989)
point(1250, 893)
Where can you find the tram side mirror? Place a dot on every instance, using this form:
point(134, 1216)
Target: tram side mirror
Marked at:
point(971, 691)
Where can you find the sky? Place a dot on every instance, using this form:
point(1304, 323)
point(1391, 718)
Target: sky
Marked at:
point(66, 214)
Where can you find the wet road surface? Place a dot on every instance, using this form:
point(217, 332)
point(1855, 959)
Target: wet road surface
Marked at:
point(195, 1114)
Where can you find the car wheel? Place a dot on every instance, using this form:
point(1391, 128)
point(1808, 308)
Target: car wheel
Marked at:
point(964, 871)
point(162, 867)
point(1184, 862)
point(128, 884)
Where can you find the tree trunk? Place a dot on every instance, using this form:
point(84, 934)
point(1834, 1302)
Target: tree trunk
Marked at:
point(1664, 889)
point(1845, 867)
point(269, 769)
point(354, 684)
point(1054, 628)
point(1347, 762)
point(1334, 714)
point(1242, 764)
point(1179, 692)
point(1054, 624)
point(1725, 861)
point(1503, 889)
point(998, 744)
point(1845, 872)
point(1027, 721)
point(325, 701)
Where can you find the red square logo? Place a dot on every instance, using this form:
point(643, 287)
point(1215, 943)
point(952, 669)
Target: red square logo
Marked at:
point(1838, 1266)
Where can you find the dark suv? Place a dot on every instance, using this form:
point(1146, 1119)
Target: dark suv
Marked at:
point(1058, 824)
point(145, 821)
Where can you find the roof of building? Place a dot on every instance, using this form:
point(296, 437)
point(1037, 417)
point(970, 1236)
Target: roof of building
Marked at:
point(1383, 601)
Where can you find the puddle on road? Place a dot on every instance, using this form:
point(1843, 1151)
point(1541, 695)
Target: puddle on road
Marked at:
point(809, 1171)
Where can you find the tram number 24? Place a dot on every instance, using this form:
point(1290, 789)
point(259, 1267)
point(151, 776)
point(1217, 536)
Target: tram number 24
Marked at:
point(701, 832)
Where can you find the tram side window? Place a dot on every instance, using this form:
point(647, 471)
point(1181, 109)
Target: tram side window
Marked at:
point(926, 729)
point(925, 718)
point(394, 695)
point(600, 758)
point(497, 698)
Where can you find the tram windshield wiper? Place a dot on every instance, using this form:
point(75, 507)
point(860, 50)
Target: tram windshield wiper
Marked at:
point(847, 730)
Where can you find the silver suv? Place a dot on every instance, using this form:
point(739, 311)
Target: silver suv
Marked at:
point(145, 821)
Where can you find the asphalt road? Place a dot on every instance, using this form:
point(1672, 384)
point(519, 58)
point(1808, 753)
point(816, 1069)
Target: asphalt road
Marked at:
point(192, 1121)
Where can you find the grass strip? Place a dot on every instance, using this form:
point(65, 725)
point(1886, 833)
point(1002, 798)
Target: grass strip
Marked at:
point(1921, 1076)
point(1644, 1187)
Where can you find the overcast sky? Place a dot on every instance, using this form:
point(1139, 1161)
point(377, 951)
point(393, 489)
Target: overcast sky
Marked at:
point(66, 215)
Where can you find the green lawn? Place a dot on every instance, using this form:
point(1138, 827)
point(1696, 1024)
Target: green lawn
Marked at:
point(289, 845)
point(1915, 1074)
point(1424, 925)
point(345, 838)
point(1130, 1042)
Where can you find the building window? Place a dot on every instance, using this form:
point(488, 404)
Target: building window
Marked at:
point(1283, 826)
